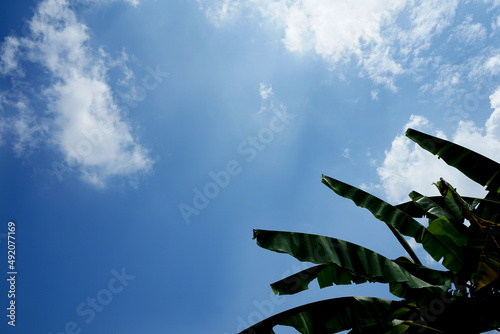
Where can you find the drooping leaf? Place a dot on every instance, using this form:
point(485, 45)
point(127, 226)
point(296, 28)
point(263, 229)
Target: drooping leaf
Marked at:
point(397, 221)
point(396, 218)
point(474, 165)
point(342, 262)
point(336, 315)
point(432, 276)
point(477, 167)
point(328, 275)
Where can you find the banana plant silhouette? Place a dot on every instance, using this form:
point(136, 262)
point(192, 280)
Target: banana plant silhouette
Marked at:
point(463, 232)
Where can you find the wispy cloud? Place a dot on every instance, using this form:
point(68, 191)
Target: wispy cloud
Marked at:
point(85, 125)
point(367, 32)
point(8, 55)
point(265, 91)
point(266, 94)
point(347, 153)
point(219, 12)
point(468, 32)
point(134, 3)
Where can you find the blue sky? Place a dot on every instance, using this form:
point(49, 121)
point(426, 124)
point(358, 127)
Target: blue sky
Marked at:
point(116, 115)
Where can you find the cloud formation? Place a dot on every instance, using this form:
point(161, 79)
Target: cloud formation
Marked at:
point(85, 124)
point(384, 39)
point(408, 167)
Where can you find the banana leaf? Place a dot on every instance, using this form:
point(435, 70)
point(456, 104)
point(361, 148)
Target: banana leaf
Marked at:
point(336, 315)
point(453, 201)
point(452, 240)
point(415, 211)
point(429, 206)
point(397, 219)
point(477, 167)
point(380, 209)
point(342, 262)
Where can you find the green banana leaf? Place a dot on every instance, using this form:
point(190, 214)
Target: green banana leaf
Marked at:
point(342, 263)
point(380, 209)
point(454, 242)
point(397, 219)
point(477, 167)
point(336, 315)
point(432, 276)
point(329, 274)
point(474, 165)
point(415, 211)
point(430, 207)
point(489, 207)
point(453, 201)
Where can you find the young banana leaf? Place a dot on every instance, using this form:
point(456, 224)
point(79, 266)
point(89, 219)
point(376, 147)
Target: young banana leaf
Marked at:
point(415, 211)
point(430, 207)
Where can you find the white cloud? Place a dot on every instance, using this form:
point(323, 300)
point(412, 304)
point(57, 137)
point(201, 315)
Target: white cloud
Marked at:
point(347, 153)
point(87, 126)
point(3, 120)
point(408, 167)
point(468, 32)
point(266, 94)
point(8, 55)
point(28, 129)
point(428, 18)
point(20, 125)
point(333, 29)
point(492, 65)
point(485, 140)
point(382, 69)
point(495, 23)
point(265, 91)
point(429, 261)
point(134, 3)
point(383, 37)
point(494, 3)
point(340, 32)
point(422, 253)
point(374, 95)
point(219, 12)
point(413, 244)
point(448, 79)
point(120, 62)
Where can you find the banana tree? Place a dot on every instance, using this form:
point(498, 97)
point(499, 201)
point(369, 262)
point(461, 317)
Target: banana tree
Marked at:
point(463, 233)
